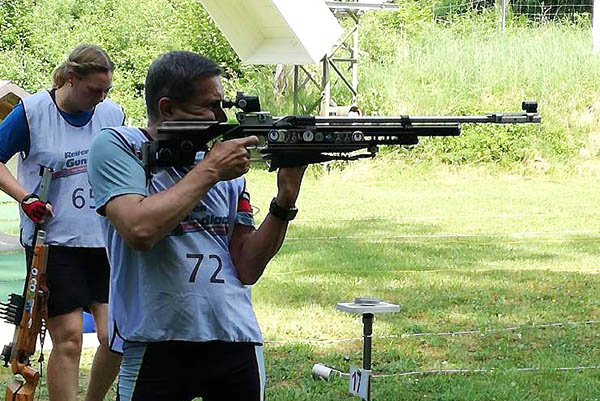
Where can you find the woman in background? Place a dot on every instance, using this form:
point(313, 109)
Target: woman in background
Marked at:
point(54, 128)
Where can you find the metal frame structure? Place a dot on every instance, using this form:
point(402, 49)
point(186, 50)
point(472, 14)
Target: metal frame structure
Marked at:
point(330, 63)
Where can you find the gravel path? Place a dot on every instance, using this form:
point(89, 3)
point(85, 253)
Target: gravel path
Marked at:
point(9, 243)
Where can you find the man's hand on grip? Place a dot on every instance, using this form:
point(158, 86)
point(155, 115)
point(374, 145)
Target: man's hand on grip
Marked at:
point(289, 180)
point(35, 209)
point(231, 159)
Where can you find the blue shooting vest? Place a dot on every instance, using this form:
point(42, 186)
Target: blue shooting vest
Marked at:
point(186, 287)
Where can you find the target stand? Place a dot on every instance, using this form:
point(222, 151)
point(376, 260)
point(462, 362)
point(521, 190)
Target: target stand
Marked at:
point(360, 379)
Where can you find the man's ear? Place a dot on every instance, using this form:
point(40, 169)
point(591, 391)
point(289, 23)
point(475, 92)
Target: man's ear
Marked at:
point(166, 108)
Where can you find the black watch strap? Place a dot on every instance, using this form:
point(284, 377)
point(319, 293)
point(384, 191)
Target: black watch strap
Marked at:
point(282, 213)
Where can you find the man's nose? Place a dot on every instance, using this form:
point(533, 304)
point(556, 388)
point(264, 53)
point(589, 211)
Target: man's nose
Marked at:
point(220, 115)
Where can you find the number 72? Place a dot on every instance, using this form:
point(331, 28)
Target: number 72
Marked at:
point(200, 257)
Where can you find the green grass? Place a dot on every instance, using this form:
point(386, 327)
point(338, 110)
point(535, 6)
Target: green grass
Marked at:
point(12, 276)
point(468, 66)
point(457, 250)
point(472, 67)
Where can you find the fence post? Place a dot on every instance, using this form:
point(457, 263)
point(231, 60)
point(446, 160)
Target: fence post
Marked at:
point(503, 16)
point(596, 26)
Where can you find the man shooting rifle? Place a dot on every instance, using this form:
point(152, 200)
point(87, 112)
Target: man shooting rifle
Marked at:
point(183, 248)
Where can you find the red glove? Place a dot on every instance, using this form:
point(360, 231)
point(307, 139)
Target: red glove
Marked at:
point(34, 208)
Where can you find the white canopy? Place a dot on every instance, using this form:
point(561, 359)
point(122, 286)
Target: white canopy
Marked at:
point(276, 31)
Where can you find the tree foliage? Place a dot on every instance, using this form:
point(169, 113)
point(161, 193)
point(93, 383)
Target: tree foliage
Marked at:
point(412, 62)
point(39, 34)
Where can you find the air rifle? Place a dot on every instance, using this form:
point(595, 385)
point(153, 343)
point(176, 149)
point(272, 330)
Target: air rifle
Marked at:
point(27, 313)
point(299, 140)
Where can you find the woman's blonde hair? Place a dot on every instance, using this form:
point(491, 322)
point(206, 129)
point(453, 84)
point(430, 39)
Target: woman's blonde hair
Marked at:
point(83, 60)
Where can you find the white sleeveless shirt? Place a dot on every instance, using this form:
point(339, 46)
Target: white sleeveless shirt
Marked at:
point(57, 144)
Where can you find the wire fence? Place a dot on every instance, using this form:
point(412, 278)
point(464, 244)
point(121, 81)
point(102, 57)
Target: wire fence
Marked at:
point(535, 11)
point(458, 333)
point(471, 371)
point(457, 371)
point(550, 11)
point(474, 238)
point(446, 9)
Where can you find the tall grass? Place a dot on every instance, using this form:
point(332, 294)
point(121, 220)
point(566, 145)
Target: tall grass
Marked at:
point(459, 69)
point(468, 66)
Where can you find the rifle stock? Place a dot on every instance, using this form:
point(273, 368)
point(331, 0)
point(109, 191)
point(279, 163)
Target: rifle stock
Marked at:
point(24, 341)
point(27, 312)
point(18, 390)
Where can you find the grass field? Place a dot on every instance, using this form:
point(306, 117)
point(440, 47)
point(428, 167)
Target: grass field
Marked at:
point(466, 249)
point(512, 257)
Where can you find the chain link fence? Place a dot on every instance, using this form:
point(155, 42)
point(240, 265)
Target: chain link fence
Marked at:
point(534, 10)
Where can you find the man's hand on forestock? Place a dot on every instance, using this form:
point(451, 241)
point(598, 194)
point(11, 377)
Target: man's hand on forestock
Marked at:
point(288, 185)
point(230, 159)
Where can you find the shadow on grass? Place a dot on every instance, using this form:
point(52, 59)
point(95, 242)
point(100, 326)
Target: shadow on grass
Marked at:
point(351, 248)
point(454, 281)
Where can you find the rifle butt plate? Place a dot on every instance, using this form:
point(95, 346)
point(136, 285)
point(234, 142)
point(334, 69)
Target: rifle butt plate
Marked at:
point(18, 391)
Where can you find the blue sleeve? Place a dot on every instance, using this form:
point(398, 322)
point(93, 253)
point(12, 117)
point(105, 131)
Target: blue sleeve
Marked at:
point(14, 134)
point(114, 169)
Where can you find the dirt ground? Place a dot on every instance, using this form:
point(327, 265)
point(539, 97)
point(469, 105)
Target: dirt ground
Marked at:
point(9, 243)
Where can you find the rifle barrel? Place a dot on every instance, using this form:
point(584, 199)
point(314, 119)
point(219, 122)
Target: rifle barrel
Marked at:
point(500, 118)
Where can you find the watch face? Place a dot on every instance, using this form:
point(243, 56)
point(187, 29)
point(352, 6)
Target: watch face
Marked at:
point(292, 213)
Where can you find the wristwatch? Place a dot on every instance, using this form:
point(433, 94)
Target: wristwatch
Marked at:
point(282, 213)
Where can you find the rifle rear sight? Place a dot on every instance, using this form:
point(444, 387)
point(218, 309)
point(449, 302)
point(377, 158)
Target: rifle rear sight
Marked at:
point(246, 103)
